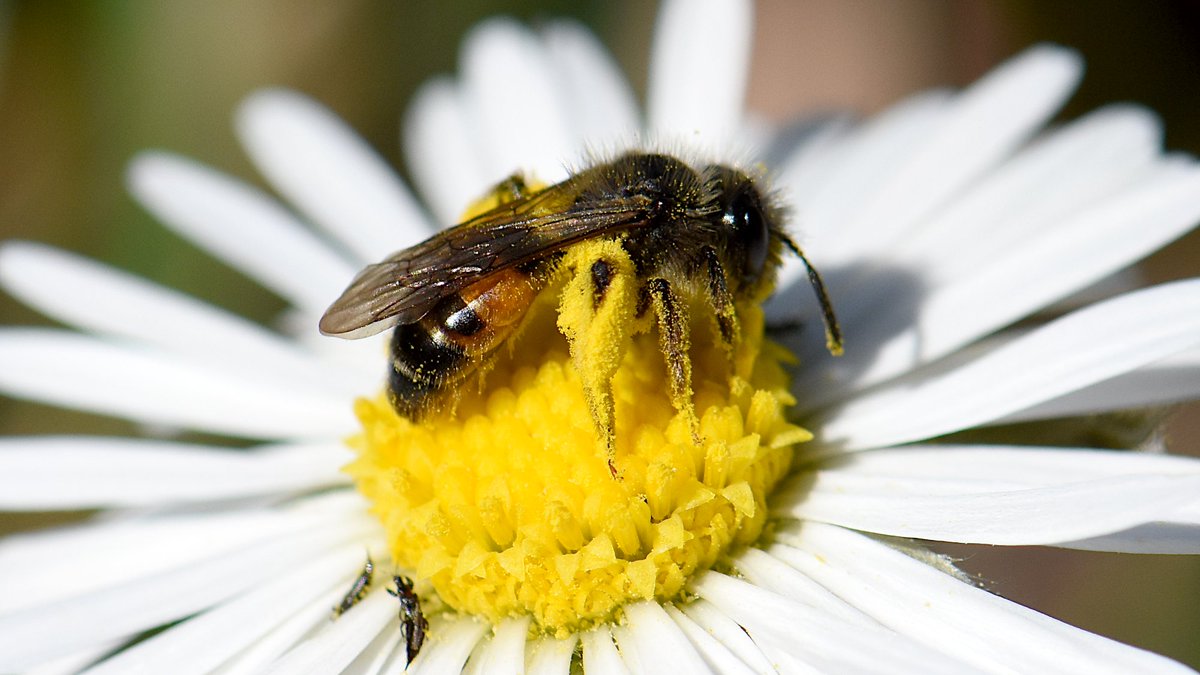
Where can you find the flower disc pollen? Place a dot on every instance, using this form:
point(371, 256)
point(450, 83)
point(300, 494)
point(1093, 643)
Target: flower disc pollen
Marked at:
point(506, 506)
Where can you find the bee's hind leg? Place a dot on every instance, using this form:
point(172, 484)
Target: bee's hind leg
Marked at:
point(603, 414)
point(596, 315)
point(672, 320)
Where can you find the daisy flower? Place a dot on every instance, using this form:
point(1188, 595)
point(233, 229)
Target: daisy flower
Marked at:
point(789, 539)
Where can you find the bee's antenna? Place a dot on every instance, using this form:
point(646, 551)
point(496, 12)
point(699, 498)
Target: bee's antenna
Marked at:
point(833, 333)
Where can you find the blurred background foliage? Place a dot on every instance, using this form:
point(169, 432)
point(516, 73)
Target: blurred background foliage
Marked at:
point(85, 85)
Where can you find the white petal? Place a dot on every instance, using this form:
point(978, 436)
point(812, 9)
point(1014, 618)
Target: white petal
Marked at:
point(1071, 179)
point(602, 106)
point(74, 663)
point(385, 649)
point(201, 643)
point(46, 561)
point(525, 127)
point(1023, 516)
point(1080, 349)
point(960, 469)
point(1171, 380)
point(1172, 538)
point(149, 387)
point(323, 167)
point(549, 656)
point(363, 358)
point(338, 643)
point(825, 183)
point(450, 642)
point(829, 187)
point(798, 638)
point(79, 472)
point(1023, 201)
point(475, 660)
point(505, 652)
point(764, 572)
point(953, 617)
point(600, 654)
point(1123, 281)
point(1060, 174)
point(442, 149)
point(622, 634)
point(1113, 233)
point(269, 647)
point(698, 70)
point(718, 657)
point(812, 147)
point(39, 633)
point(982, 126)
point(659, 644)
point(121, 305)
point(241, 226)
point(724, 630)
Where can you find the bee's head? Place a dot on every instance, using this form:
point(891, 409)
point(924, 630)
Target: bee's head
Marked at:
point(751, 225)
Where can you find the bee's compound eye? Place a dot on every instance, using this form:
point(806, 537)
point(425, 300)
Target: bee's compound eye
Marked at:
point(748, 228)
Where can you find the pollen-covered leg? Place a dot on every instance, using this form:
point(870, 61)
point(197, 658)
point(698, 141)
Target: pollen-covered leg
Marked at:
point(672, 320)
point(724, 312)
point(599, 304)
point(511, 189)
point(507, 191)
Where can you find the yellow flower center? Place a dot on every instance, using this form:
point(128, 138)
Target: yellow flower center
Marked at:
point(506, 506)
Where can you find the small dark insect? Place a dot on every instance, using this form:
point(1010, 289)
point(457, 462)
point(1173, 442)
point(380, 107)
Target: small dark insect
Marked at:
point(357, 590)
point(411, 617)
point(455, 298)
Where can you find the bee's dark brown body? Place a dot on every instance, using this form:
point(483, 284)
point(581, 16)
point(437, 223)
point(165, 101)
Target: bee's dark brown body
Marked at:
point(460, 294)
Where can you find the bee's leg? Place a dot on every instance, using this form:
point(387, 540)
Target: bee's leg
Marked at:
point(601, 278)
point(596, 315)
point(511, 189)
point(722, 300)
point(602, 404)
point(674, 341)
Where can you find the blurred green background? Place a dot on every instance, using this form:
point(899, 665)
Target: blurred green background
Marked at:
point(85, 85)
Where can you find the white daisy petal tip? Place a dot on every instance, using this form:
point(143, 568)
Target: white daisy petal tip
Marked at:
point(1044, 67)
point(14, 252)
point(240, 225)
point(20, 261)
point(496, 32)
point(698, 70)
point(1054, 58)
point(602, 101)
point(264, 107)
point(526, 128)
point(153, 171)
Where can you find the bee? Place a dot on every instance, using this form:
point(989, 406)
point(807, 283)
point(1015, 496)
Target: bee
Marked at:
point(681, 232)
point(411, 617)
point(357, 589)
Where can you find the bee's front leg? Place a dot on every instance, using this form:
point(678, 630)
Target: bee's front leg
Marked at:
point(672, 320)
point(724, 312)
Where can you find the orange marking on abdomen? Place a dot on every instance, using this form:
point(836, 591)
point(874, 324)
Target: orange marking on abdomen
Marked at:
point(498, 303)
